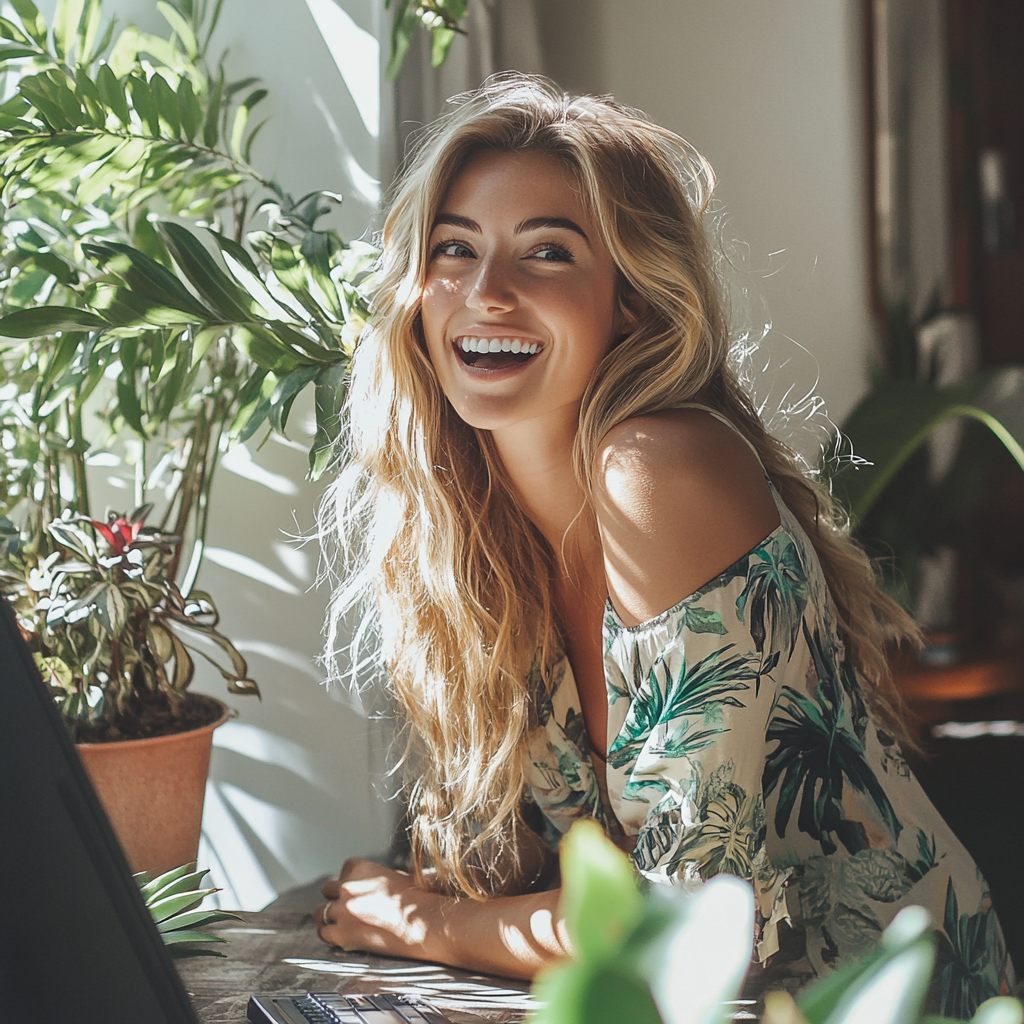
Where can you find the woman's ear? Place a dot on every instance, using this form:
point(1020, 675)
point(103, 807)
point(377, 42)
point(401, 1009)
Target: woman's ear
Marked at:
point(632, 308)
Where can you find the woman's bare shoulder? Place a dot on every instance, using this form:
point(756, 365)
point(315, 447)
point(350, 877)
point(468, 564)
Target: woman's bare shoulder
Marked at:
point(679, 496)
point(685, 449)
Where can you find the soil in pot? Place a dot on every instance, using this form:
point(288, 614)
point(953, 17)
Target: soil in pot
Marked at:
point(152, 788)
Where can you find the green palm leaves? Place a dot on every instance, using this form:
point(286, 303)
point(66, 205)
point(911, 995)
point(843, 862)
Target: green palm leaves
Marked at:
point(128, 340)
point(441, 18)
point(968, 958)
point(816, 756)
point(727, 838)
point(118, 125)
point(775, 596)
point(693, 691)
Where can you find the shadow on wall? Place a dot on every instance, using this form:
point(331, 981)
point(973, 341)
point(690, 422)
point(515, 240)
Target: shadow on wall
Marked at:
point(296, 782)
point(291, 791)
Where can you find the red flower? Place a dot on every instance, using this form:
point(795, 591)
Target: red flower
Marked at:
point(119, 533)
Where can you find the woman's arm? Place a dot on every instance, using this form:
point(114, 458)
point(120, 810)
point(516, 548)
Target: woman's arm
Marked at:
point(379, 910)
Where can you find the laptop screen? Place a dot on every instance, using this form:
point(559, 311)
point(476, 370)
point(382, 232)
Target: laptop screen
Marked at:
point(76, 941)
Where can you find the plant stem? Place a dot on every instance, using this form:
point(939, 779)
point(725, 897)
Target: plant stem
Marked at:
point(77, 455)
point(193, 475)
point(140, 475)
point(203, 514)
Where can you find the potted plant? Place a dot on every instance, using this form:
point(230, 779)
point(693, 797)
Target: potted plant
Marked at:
point(108, 355)
point(110, 632)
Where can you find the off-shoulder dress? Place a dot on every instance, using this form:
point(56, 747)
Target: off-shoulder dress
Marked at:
point(740, 742)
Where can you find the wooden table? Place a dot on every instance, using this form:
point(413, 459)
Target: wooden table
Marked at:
point(278, 953)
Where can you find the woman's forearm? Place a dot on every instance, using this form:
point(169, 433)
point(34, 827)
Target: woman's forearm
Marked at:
point(383, 911)
point(512, 936)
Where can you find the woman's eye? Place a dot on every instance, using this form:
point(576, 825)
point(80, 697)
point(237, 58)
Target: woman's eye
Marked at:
point(553, 253)
point(452, 248)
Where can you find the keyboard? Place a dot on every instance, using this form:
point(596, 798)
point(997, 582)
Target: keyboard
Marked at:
point(332, 1008)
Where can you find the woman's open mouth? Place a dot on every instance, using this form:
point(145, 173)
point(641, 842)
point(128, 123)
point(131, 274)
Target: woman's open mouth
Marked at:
point(496, 353)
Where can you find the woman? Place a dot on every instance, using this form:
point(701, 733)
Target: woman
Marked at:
point(602, 589)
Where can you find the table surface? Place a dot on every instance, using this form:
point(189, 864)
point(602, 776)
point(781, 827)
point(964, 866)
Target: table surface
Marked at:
point(280, 953)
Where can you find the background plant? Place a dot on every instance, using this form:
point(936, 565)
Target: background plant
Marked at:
point(441, 18)
point(127, 336)
point(897, 508)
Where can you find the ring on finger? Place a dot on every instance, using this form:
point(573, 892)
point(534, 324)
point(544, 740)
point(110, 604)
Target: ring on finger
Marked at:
point(323, 913)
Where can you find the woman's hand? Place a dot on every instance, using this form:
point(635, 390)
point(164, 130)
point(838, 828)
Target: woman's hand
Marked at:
point(377, 909)
point(373, 908)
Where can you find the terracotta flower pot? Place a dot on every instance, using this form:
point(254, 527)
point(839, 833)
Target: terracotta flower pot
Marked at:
point(152, 791)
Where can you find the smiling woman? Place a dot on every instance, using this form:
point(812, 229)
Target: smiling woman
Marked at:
point(601, 588)
point(519, 305)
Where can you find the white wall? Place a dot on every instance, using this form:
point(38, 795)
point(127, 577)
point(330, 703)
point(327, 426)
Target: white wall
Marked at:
point(771, 94)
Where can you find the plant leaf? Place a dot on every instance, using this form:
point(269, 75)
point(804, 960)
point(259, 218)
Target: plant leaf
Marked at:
point(895, 419)
point(161, 909)
point(112, 92)
point(32, 21)
point(600, 900)
point(189, 111)
point(144, 103)
point(202, 271)
point(121, 164)
point(403, 26)
point(43, 320)
point(211, 129)
point(329, 401)
point(191, 919)
point(242, 119)
point(166, 100)
point(65, 25)
point(181, 27)
point(88, 30)
point(146, 278)
point(285, 393)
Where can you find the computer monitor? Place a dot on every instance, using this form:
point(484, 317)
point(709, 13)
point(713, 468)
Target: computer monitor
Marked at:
point(77, 944)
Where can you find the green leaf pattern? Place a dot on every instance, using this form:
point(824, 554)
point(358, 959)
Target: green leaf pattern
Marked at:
point(739, 742)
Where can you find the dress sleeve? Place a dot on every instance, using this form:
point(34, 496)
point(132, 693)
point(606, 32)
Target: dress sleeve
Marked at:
point(690, 696)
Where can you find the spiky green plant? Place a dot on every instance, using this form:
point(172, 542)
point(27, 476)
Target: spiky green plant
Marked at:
point(173, 900)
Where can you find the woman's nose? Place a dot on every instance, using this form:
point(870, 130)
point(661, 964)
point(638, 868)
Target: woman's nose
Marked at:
point(491, 290)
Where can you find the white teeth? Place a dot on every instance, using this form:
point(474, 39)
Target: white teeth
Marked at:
point(516, 345)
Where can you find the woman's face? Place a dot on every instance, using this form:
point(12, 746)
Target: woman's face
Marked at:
point(520, 300)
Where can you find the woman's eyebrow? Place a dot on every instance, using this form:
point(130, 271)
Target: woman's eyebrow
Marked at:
point(533, 224)
point(456, 221)
point(550, 222)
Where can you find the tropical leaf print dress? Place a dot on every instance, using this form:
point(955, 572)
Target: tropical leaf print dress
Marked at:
point(740, 743)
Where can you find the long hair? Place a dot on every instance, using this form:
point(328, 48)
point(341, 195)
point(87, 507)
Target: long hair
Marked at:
point(445, 564)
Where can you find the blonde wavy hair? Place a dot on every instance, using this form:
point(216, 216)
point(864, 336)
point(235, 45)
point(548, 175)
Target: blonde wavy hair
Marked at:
point(447, 568)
